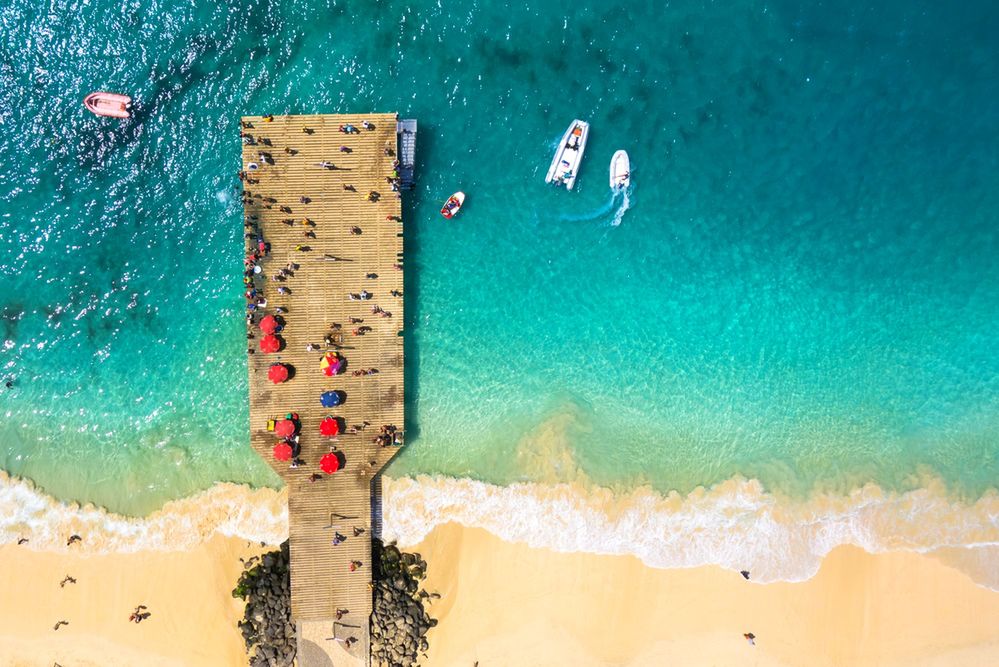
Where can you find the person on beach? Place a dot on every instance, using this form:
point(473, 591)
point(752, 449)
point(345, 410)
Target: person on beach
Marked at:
point(358, 531)
point(340, 613)
point(750, 637)
point(366, 125)
point(356, 231)
point(59, 624)
point(315, 477)
point(72, 539)
point(345, 149)
point(67, 580)
point(22, 540)
point(354, 564)
point(745, 574)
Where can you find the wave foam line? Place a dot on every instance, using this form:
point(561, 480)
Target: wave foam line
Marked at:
point(735, 525)
point(233, 510)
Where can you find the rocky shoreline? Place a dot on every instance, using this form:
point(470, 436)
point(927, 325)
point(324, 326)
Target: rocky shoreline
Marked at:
point(266, 626)
point(399, 623)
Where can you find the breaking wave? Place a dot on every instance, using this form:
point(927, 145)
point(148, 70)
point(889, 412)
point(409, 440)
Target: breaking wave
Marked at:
point(736, 525)
point(259, 515)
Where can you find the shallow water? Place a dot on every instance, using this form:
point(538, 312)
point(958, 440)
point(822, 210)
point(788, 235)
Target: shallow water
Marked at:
point(802, 290)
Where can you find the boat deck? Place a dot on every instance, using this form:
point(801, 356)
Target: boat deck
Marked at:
point(291, 185)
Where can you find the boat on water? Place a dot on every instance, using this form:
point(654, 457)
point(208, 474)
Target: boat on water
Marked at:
point(568, 155)
point(453, 205)
point(620, 171)
point(108, 104)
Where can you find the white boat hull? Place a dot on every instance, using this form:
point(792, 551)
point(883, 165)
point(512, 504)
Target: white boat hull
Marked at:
point(569, 155)
point(620, 171)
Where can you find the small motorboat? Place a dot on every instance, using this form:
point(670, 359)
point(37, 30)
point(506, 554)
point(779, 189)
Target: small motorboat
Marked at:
point(620, 171)
point(108, 104)
point(453, 205)
point(568, 155)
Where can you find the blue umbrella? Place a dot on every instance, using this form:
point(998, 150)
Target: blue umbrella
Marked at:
point(330, 399)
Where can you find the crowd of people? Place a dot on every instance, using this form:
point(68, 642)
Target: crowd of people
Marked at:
point(266, 292)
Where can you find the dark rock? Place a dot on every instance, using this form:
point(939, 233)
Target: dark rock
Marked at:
point(266, 626)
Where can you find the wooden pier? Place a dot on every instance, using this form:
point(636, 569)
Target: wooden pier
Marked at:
point(321, 200)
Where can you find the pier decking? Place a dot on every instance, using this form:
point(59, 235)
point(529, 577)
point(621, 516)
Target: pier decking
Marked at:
point(303, 174)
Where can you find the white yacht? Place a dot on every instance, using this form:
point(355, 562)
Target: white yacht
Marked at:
point(568, 155)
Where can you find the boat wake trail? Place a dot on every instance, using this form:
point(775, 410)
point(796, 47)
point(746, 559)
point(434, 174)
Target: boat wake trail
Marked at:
point(611, 211)
point(625, 205)
point(600, 213)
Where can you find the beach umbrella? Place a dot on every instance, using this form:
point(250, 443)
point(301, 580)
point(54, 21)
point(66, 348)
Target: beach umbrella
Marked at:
point(285, 428)
point(330, 364)
point(269, 324)
point(330, 399)
point(329, 427)
point(330, 463)
point(270, 344)
point(282, 451)
point(277, 373)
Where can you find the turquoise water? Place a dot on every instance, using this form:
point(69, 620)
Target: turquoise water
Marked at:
point(802, 289)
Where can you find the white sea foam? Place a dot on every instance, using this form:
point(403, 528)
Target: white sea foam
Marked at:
point(227, 509)
point(736, 525)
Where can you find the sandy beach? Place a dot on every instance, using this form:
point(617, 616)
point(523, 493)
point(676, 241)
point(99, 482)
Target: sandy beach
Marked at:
point(188, 593)
point(509, 604)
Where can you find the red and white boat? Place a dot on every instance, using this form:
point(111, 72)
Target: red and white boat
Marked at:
point(453, 205)
point(108, 104)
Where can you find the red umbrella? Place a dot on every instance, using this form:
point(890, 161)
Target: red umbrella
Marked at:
point(269, 344)
point(282, 451)
point(269, 324)
point(329, 426)
point(277, 373)
point(285, 428)
point(330, 463)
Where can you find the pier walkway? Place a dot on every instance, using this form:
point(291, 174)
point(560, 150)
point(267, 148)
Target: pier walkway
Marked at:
point(303, 194)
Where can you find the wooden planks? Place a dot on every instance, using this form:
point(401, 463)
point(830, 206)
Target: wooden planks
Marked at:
point(288, 153)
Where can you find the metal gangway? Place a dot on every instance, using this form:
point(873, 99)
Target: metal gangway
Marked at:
point(407, 152)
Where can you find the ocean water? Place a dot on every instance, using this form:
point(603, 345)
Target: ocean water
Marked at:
point(793, 309)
